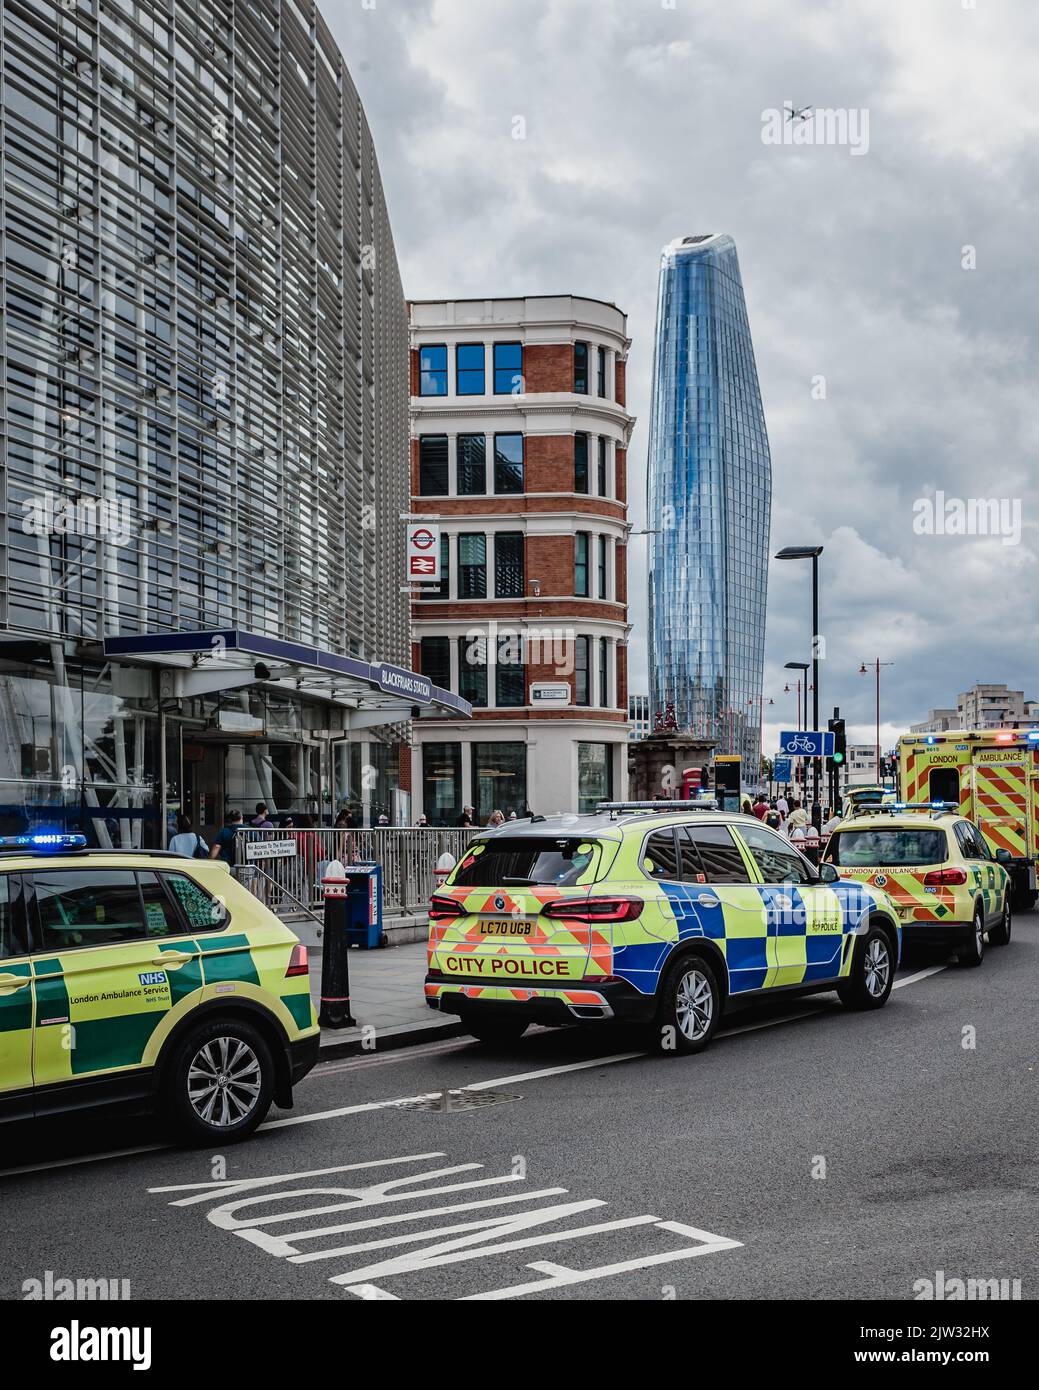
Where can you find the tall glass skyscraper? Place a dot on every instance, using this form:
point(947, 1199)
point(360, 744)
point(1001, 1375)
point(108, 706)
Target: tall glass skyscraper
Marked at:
point(710, 494)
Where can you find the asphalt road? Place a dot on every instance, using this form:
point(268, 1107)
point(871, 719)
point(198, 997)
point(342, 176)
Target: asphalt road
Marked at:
point(809, 1153)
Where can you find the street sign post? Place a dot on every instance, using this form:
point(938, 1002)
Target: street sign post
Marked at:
point(781, 769)
point(423, 552)
point(806, 743)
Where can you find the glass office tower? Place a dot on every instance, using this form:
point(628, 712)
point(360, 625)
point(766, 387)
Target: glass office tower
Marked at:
point(203, 406)
point(710, 493)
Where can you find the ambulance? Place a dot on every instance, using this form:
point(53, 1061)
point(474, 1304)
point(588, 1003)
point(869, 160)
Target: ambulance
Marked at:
point(990, 776)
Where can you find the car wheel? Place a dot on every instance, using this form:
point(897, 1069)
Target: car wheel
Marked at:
point(872, 972)
point(999, 935)
point(496, 1032)
point(220, 1083)
point(974, 952)
point(690, 1007)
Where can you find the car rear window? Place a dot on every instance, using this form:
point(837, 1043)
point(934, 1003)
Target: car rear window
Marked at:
point(528, 860)
point(889, 847)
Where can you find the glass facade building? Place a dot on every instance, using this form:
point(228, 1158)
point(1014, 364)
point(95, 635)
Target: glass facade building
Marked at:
point(709, 498)
point(204, 402)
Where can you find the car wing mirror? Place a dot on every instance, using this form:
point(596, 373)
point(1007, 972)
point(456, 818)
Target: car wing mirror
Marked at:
point(828, 873)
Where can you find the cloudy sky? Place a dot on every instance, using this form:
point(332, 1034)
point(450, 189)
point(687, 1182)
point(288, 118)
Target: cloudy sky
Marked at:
point(644, 122)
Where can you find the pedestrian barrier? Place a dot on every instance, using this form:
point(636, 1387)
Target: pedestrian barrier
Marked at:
point(291, 862)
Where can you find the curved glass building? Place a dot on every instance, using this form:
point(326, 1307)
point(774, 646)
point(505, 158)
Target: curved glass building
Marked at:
point(710, 494)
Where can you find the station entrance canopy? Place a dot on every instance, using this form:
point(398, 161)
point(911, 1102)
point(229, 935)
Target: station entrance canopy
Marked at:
point(206, 662)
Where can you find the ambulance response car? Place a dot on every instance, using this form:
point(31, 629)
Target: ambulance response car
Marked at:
point(650, 912)
point(948, 888)
point(149, 981)
point(991, 776)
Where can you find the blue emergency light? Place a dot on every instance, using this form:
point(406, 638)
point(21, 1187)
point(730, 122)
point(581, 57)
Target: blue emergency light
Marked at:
point(1032, 736)
point(44, 840)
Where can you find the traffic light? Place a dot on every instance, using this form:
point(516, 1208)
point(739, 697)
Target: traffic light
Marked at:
point(840, 741)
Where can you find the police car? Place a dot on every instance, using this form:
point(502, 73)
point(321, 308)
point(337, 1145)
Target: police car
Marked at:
point(651, 912)
point(948, 887)
point(147, 980)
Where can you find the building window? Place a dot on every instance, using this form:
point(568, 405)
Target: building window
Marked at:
point(508, 564)
point(432, 465)
point(472, 669)
point(582, 695)
point(594, 775)
point(472, 465)
point(442, 782)
point(508, 463)
point(581, 564)
point(580, 463)
point(604, 673)
point(600, 371)
point(508, 368)
point(432, 366)
point(499, 779)
point(435, 658)
point(443, 589)
point(469, 369)
point(509, 672)
point(581, 368)
point(603, 489)
point(601, 567)
point(472, 566)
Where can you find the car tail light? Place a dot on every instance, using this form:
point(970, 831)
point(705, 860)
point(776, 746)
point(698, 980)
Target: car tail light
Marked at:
point(594, 909)
point(443, 909)
point(298, 962)
point(937, 876)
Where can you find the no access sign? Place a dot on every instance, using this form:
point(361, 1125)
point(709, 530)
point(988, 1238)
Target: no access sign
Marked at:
point(423, 552)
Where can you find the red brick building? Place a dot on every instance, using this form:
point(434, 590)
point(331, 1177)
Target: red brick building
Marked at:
point(520, 433)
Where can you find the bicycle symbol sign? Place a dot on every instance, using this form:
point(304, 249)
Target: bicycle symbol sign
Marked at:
point(810, 743)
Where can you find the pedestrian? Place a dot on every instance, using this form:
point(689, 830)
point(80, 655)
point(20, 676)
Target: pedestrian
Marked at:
point(797, 819)
point(261, 820)
point(422, 820)
point(782, 804)
point(760, 807)
point(223, 845)
point(774, 817)
point(468, 816)
point(187, 842)
point(495, 819)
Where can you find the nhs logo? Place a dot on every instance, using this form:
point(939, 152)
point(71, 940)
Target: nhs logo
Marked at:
point(153, 977)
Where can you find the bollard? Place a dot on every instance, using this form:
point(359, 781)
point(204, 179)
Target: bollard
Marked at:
point(335, 954)
point(445, 864)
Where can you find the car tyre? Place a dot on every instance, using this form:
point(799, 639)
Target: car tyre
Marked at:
point(690, 1007)
point(999, 935)
point(220, 1084)
point(497, 1032)
point(974, 952)
point(872, 972)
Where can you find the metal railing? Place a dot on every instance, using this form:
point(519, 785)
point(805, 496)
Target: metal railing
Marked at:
point(408, 858)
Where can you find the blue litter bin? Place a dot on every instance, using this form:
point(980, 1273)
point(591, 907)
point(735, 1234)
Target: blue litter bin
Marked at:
point(364, 906)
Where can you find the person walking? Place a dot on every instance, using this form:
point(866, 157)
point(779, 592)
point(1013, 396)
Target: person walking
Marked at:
point(797, 819)
point(760, 807)
point(782, 804)
point(468, 816)
point(261, 821)
point(187, 842)
point(223, 844)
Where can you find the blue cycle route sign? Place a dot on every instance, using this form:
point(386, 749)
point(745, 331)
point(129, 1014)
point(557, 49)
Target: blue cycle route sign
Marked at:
point(781, 770)
point(806, 743)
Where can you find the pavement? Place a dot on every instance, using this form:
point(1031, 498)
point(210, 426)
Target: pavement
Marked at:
point(809, 1153)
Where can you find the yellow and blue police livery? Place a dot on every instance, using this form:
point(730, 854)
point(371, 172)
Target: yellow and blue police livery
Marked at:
point(661, 914)
point(148, 981)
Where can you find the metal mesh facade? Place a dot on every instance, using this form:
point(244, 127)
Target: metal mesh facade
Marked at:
point(204, 332)
point(710, 492)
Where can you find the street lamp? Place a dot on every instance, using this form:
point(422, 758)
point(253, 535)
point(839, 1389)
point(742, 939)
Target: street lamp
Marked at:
point(761, 726)
point(802, 683)
point(811, 552)
point(864, 670)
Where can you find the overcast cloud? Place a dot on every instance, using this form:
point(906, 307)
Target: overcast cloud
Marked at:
point(643, 122)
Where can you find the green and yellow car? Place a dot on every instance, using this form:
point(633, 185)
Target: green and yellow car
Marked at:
point(149, 981)
point(661, 915)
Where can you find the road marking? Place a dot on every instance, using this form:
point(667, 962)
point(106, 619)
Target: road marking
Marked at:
point(920, 975)
point(396, 1248)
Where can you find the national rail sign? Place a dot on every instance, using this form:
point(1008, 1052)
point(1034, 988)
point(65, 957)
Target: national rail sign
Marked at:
point(423, 552)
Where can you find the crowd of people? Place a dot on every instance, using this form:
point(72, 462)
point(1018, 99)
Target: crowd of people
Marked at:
point(788, 816)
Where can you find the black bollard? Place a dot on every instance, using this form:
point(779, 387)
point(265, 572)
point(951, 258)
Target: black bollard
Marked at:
point(335, 957)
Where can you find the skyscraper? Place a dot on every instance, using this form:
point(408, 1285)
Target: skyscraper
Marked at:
point(710, 493)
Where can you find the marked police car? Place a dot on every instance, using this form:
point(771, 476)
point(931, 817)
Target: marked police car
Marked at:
point(947, 886)
point(145, 980)
point(651, 912)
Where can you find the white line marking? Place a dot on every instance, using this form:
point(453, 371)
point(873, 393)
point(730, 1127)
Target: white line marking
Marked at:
point(920, 975)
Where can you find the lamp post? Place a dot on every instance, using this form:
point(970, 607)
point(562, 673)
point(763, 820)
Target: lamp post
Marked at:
point(761, 726)
point(864, 671)
point(811, 552)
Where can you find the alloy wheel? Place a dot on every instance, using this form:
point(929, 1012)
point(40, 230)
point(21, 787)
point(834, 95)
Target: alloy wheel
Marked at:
point(224, 1082)
point(694, 1005)
point(877, 966)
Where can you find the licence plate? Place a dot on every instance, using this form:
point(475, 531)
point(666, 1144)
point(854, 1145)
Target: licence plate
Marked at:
point(506, 926)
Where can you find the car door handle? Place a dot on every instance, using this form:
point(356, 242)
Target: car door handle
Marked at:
point(173, 959)
point(14, 981)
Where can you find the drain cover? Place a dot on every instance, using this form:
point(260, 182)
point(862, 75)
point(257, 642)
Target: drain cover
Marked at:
point(457, 1100)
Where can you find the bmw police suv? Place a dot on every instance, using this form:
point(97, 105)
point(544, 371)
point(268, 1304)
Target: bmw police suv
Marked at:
point(652, 912)
point(145, 980)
